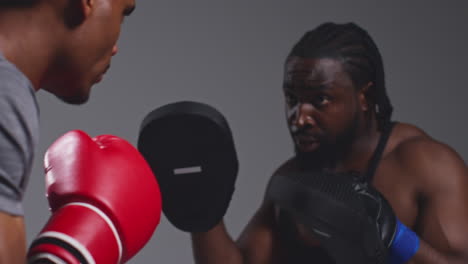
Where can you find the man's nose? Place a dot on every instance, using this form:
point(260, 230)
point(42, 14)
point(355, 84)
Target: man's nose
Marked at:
point(304, 116)
point(114, 50)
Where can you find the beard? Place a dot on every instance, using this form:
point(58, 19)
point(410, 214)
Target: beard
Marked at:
point(331, 149)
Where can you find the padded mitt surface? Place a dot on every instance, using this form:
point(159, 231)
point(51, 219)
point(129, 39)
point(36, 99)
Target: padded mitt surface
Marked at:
point(190, 148)
point(329, 206)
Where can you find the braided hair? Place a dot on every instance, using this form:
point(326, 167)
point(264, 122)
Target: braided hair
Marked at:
point(359, 55)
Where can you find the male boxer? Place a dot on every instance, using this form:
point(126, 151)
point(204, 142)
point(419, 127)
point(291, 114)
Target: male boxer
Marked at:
point(61, 46)
point(339, 117)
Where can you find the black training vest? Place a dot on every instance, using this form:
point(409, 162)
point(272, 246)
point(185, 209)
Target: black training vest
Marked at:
point(297, 251)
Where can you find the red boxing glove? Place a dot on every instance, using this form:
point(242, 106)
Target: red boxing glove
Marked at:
point(104, 199)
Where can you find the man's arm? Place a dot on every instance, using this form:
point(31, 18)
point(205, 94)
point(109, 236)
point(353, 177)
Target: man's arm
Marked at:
point(12, 242)
point(443, 219)
point(254, 246)
point(19, 128)
point(215, 246)
point(258, 240)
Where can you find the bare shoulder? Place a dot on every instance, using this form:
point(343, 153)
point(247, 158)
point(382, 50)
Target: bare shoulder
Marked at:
point(403, 132)
point(423, 156)
point(412, 142)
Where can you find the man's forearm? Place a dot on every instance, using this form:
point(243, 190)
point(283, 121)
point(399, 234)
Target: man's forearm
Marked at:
point(12, 239)
point(215, 246)
point(428, 255)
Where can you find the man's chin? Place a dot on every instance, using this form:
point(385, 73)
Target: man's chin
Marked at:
point(315, 155)
point(74, 100)
point(308, 156)
point(309, 147)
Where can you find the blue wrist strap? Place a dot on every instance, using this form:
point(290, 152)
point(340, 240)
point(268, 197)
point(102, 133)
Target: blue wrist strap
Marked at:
point(404, 245)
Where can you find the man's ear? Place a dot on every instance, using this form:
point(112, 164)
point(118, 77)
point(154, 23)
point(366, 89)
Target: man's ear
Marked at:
point(364, 100)
point(76, 11)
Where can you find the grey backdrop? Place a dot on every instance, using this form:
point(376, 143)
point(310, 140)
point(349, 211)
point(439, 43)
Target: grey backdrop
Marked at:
point(229, 54)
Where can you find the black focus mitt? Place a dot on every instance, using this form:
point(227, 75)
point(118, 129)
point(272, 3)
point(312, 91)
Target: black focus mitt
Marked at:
point(190, 148)
point(352, 220)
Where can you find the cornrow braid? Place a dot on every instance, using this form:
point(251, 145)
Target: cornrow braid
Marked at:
point(360, 56)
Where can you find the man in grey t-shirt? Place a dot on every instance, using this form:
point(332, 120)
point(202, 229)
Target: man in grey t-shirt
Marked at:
point(18, 135)
point(63, 47)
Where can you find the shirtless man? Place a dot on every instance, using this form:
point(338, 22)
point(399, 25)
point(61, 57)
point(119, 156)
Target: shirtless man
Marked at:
point(339, 116)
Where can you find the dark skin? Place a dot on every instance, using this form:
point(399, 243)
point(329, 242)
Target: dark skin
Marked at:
point(63, 47)
point(425, 181)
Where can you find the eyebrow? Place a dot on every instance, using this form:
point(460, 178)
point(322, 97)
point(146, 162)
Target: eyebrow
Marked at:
point(129, 10)
point(320, 87)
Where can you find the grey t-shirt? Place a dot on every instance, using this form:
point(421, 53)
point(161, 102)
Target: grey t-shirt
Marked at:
point(19, 132)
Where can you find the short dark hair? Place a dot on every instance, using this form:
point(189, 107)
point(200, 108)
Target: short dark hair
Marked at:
point(359, 54)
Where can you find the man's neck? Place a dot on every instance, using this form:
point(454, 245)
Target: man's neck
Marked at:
point(28, 39)
point(362, 148)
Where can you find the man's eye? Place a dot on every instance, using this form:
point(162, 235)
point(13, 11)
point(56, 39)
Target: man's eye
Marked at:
point(290, 99)
point(322, 100)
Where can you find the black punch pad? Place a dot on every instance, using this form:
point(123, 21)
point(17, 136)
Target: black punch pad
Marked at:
point(329, 206)
point(190, 148)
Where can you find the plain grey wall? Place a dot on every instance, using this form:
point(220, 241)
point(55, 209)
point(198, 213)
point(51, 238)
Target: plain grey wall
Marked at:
point(229, 54)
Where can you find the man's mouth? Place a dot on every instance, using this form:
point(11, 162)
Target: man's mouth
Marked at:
point(99, 79)
point(306, 137)
point(101, 76)
point(306, 142)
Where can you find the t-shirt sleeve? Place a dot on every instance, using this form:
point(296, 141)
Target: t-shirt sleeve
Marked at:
point(18, 132)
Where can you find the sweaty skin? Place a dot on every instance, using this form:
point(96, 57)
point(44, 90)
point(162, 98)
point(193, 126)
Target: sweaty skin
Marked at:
point(425, 181)
point(63, 47)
